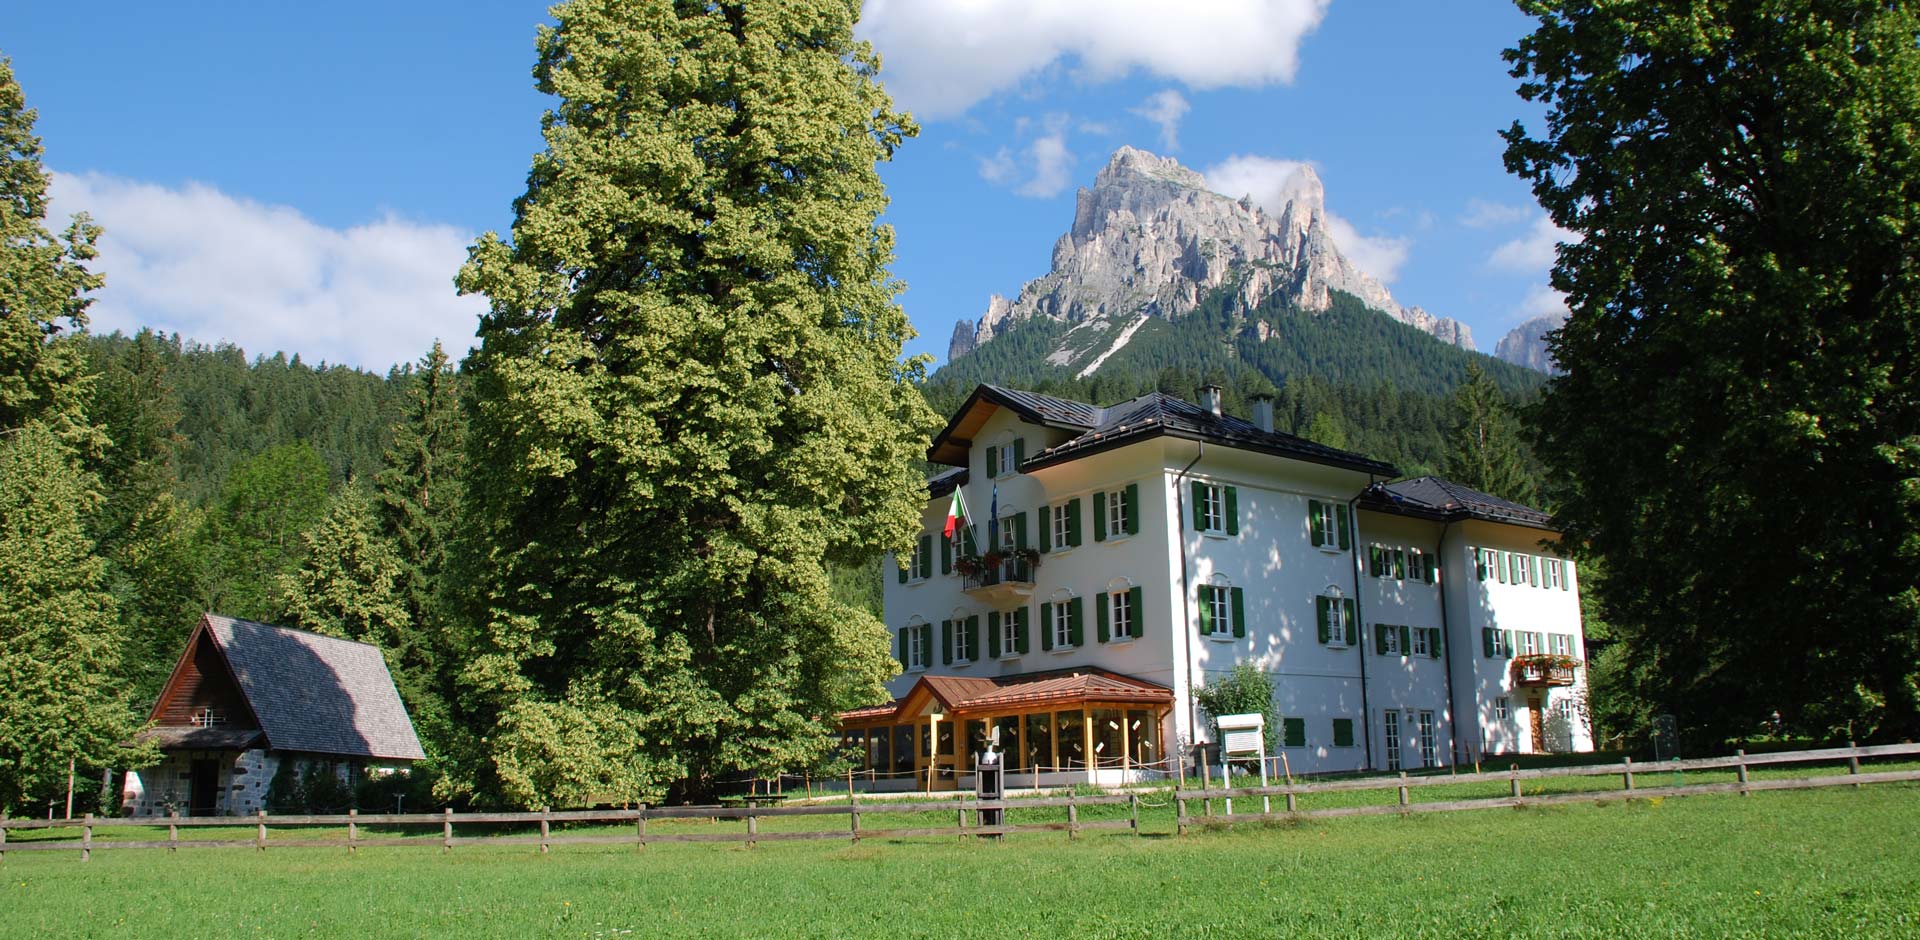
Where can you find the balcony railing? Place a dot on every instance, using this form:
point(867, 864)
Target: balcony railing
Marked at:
point(1544, 670)
point(1008, 571)
point(998, 579)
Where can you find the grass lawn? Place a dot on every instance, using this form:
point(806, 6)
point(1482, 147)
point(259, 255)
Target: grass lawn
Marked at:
point(1831, 863)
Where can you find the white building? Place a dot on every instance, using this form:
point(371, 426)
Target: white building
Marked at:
point(1153, 544)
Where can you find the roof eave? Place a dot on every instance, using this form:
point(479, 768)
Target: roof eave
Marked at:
point(1359, 465)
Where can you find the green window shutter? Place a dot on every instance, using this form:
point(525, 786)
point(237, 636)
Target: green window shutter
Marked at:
point(1349, 621)
point(1433, 569)
point(901, 568)
point(1434, 642)
point(926, 639)
point(1296, 732)
point(1406, 640)
point(1130, 508)
point(1506, 639)
point(993, 462)
point(1099, 517)
point(1074, 609)
point(1380, 639)
point(1506, 567)
point(1199, 505)
point(1400, 564)
point(967, 545)
point(1486, 641)
point(1233, 510)
point(926, 556)
point(901, 642)
point(1533, 571)
point(1138, 613)
point(1100, 604)
point(1021, 623)
point(1073, 522)
point(1345, 536)
point(1046, 529)
point(1019, 453)
point(1020, 530)
point(946, 642)
point(1376, 561)
point(1206, 610)
point(973, 637)
point(1239, 612)
point(1046, 626)
point(946, 555)
point(1343, 732)
point(1479, 564)
point(1566, 574)
point(993, 634)
point(1316, 527)
point(1323, 615)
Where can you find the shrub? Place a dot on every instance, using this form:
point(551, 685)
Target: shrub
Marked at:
point(1245, 689)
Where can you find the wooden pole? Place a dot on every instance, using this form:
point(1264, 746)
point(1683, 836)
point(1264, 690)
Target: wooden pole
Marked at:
point(640, 827)
point(1628, 776)
point(1515, 770)
point(1293, 804)
point(173, 831)
point(446, 829)
point(353, 832)
point(1206, 781)
point(1403, 793)
point(3, 840)
point(546, 828)
point(1133, 811)
point(1853, 762)
point(260, 833)
point(1179, 814)
point(753, 829)
point(1740, 771)
point(69, 788)
point(86, 839)
point(1073, 817)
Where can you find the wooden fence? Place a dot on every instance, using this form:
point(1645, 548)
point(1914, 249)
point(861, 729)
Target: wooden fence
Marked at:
point(1289, 793)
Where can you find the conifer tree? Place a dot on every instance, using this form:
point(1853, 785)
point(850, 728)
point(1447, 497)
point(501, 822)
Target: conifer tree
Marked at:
point(420, 487)
point(690, 401)
point(1485, 450)
point(253, 535)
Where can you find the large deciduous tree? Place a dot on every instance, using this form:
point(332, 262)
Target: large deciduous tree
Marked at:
point(690, 402)
point(1739, 419)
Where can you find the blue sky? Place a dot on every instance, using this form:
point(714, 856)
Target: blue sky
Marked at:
point(307, 177)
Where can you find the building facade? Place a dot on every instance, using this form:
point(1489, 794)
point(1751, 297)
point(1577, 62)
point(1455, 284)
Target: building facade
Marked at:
point(1156, 544)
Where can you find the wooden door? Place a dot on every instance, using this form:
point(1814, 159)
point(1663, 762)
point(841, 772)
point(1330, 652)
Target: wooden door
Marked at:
point(203, 787)
point(1537, 721)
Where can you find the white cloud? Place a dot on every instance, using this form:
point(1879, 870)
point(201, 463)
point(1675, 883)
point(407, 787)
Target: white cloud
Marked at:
point(999, 168)
point(214, 267)
point(1534, 250)
point(1272, 183)
point(1165, 108)
point(942, 56)
point(1541, 301)
point(1043, 167)
point(1052, 166)
point(1482, 213)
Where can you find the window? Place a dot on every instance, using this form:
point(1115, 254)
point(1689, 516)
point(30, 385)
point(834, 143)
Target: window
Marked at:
point(1327, 525)
point(1525, 573)
point(1501, 712)
point(1005, 460)
point(1060, 623)
point(1552, 577)
point(964, 639)
point(1062, 628)
point(1335, 617)
point(1486, 563)
point(1427, 746)
point(1120, 613)
point(1343, 732)
point(1390, 727)
point(1293, 732)
point(914, 640)
point(920, 563)
point(1062, 536)
point(1563, 707)
point(1210, 507)
point(207, 718)
point(1497, 643)
point(1422, 642)
point(1222, 611)
point(1013, 635)
point(1390, 639)
point(1116, 513)
point(1530, 643)
point(1562, 644)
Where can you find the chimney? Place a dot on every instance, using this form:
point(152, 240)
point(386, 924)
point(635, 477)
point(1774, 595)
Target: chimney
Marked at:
point(1210, 398)
point(1263, 412)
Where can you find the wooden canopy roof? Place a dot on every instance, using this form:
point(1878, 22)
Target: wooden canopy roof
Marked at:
point(969, 696)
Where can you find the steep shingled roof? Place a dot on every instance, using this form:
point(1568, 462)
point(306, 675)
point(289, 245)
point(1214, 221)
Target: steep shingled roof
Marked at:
point(1436, 498)
point(316, 693)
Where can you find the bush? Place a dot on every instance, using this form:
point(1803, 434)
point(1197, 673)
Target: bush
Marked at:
point(1245, 689)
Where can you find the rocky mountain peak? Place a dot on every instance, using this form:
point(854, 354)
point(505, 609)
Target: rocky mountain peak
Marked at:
point(1152, 239)
point(1526, 344)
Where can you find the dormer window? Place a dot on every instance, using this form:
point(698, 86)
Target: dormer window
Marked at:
point(208, 718)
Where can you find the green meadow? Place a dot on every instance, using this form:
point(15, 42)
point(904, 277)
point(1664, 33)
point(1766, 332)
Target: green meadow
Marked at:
point(1827, 863)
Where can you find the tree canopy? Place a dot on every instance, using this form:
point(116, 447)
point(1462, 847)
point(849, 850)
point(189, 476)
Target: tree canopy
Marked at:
point(1738, 427)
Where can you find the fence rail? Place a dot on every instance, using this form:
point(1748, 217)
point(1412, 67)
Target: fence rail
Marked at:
point(965, 808)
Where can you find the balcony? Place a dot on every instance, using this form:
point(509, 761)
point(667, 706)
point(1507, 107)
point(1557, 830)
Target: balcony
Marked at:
point(998, 580)
point(1543, 671)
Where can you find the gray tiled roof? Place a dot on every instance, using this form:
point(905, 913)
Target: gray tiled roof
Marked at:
point(1446, 499)
point(940, 484)
point(1158, 413)
point(1047, 408)
point(317, 693)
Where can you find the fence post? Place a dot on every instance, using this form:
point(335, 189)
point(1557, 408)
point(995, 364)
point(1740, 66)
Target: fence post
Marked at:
point(260, 834)
point(1133, 810)
point(446, 829)
point(853, 808)
point(960, 822)
point(1206, 783)
point(546, 829)
point(1403, 793)
point(1853, 761)
point(753, 829)
point(353, 832)
point(1179, 814)
point(1514, 780)
point(1740, 771)
point(1628, 776)
point(86, 838)
point(640, 827)
point(3, 839)
point(1073, 817)
point(173, 830)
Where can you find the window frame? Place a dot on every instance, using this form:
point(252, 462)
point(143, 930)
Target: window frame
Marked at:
point(1530, 643)
point(1010, 633)
point(1116, 514)
point(917, 659)
point(1119, 602)
point(1057, 528)
point(1340, 631)
point(1391, 635)
point(1330, 524)
point(960, 638)
point(1337, 721)
point(1220, 600)
point(1428, 726)
point(1502, 708)
point(1062, 626)
point(1007, 466)
point(1422, 642)
point(1213, 510)
point(1390, 736)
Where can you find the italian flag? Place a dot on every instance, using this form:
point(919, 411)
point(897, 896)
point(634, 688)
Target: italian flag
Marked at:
point(956, 512)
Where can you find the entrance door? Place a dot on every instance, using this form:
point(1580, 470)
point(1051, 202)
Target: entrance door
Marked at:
point(203, 787)
point(1537, 721)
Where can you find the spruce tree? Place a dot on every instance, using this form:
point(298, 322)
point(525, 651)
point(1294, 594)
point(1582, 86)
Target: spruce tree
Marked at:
point(253, 534)
point(690, 403)
point(1485, 450)
point(420, 487)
